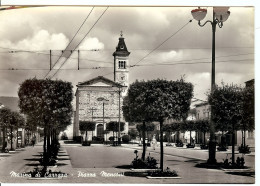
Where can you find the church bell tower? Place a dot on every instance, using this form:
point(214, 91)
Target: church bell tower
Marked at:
point(121, 63)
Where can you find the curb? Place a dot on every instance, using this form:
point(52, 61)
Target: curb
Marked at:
point(150, 177)
point(144, 170)
point(237, 170)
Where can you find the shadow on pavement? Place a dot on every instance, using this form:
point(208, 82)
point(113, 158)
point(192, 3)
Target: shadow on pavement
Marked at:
point(192, 160)
point(175, 160)
point(32, 159)
point(124, 167)
point(38, 164)
point(5, 155)
point(250, 174)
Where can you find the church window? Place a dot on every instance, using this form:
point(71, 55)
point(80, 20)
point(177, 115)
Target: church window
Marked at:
point(121, 64)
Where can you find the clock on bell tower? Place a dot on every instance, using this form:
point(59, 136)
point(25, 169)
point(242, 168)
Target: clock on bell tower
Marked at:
point(121, 63)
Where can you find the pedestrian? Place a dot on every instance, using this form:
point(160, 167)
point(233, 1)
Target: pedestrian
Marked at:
point(33, 140)
point(154, 142)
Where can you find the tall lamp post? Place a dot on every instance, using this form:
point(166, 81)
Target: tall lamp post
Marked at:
point(92, 112)
point(120, 89)
point(104, 101)
point(220, 15)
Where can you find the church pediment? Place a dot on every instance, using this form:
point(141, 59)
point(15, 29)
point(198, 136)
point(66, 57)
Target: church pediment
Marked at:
point(100, 84)
point(99, 81)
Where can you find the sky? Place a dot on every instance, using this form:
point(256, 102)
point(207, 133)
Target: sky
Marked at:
point(162, 41)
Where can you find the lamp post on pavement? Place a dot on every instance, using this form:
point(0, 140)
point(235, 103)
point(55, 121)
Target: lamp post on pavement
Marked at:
point(220, 15)
point(120, 87)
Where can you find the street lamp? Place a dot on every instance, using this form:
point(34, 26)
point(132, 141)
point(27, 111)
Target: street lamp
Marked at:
point(92, 111)
point(220, 15)
point(104, 101)
point(120, 87)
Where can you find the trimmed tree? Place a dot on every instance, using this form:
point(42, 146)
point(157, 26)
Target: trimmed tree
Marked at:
point(157, 100)
point(189, 125)
point(5, 115)
point(87, 126)
point(169, 129)
point(149, 127)
point(16, 121)
point(31, 126)
point(203, 126)
point(135, 105)
point(248, 113)
point(132, 133)
point(48, 102)
point(176, 126)
point(113, 126)
point(226, 108)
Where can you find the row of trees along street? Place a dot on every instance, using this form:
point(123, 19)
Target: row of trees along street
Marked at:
point(156, 100)
point(48, 105)
point(10, 120)
point(232, 108)
point(85, 126)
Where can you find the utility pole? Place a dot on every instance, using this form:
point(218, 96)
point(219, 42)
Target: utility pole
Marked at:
point(78, 59)
point(50, 60)
point(119, 136)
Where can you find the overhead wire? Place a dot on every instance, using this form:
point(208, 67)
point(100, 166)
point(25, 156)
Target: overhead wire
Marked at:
point(72, 38)
point(35, 69)
point(11, 50)
point(157, 64)
point(190, 63)
point(82, 39)
point(162, 43)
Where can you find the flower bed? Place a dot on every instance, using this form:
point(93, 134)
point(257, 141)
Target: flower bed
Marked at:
point(167, 173)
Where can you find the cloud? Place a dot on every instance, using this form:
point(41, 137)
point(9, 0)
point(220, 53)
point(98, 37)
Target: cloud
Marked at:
point(43, 40)
point(91, 44)
point(144, 28)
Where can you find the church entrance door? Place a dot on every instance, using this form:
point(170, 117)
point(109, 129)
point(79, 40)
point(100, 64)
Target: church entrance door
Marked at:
point(100, 132)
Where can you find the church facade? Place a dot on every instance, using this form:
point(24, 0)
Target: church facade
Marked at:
point(100, 99)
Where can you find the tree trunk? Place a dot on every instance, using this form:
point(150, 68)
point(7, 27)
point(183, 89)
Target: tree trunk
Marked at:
point(86, 136)
point(244, 138)
point(233, 147)
point(3, 147)
point(113, 137)
point(48, 142)
point(242, 145)
point(204, 133)
point(44, 142)
point(190, 138)
point(11, 138)
point(51, 137)
point(144, 145)
point(161, 145)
